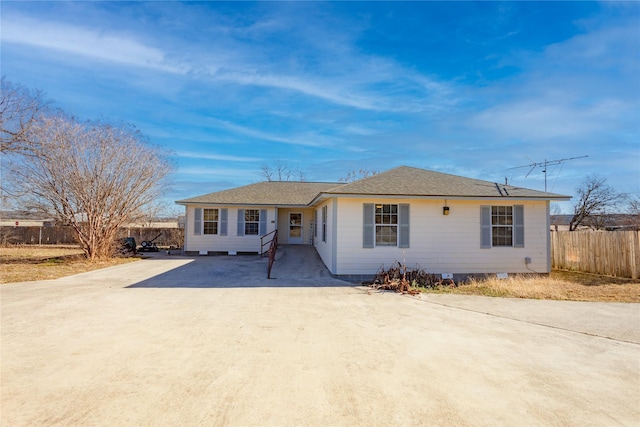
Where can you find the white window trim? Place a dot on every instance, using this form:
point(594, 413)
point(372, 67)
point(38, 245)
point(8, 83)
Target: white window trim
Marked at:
point(216, 221)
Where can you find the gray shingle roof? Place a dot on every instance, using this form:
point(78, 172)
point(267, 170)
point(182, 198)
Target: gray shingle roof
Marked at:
point(273, 193)
point(408, 181)
point(400, 181)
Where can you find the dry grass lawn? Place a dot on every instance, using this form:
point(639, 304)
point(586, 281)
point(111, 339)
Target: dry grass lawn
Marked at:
point(559, 285)
point(23, 263)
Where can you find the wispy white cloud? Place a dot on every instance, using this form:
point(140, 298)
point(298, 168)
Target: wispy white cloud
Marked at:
point(389, 88)
point(347, 77)
point(214, 172)
point(86, 42)
point(576, 90)
point(309, 139)
point(359, 130)
point(545, 119)
point(303, 86)
point(222, 157)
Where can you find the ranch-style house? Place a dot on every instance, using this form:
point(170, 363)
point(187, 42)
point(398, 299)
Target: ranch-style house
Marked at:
point(442, 223)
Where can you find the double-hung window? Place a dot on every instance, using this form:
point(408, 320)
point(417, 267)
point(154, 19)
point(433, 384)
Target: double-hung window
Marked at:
point(210, 221)
point(502, 226)
point(251, 221)
point(386, 225)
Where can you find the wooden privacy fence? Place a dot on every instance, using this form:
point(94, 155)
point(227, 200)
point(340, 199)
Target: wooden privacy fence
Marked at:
point(614, 253)
point(57, 235)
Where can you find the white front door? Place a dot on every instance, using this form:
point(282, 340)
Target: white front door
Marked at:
point(295, 228)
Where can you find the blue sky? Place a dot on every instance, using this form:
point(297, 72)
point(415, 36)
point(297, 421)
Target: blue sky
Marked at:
point(469, 88)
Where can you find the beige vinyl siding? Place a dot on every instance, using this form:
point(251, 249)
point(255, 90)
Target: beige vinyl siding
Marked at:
point(442, 243)
point(230, 242)
point(326, 249)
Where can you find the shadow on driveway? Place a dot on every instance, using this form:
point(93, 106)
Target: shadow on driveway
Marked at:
point(295, 266)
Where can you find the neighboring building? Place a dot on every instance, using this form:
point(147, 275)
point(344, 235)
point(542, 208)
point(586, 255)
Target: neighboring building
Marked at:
point(439, 222)
point(607, 222)
point(24, 219)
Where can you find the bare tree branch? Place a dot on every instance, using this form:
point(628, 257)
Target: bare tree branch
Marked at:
point(266, 173)
point(20, 108)
point(94, 177)
point(358, 175)
point(596, 199)
point(280, 172)
point(633, 211)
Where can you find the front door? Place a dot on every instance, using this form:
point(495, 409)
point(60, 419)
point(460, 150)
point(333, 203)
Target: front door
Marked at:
point(295, 228)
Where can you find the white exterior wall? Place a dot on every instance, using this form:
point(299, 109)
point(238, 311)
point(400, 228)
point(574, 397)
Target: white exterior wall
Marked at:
point(440, 243)
point(230, 242)
point(326, 249)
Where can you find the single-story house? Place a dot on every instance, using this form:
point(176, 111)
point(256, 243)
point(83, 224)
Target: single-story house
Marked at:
point(442, 223)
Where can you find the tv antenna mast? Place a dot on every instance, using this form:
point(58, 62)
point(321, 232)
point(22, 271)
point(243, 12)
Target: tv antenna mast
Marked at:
point(544, 166)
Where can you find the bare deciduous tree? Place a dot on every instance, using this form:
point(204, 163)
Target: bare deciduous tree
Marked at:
point(357, 175)
point(281, 172)
point(94, 177)
point(595, 200)
point(20, 108)
point(633, 203)
point(632, 220)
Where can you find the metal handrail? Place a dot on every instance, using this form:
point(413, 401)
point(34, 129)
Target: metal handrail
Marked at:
point(263, 244)
point(272, 253)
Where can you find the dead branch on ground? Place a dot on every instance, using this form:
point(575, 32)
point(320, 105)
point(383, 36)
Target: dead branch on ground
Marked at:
point(398, 278)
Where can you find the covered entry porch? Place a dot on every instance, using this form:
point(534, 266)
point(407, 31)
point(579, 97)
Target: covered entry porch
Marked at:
point(295, 226)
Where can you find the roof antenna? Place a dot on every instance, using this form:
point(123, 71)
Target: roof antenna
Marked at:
point(544, 166)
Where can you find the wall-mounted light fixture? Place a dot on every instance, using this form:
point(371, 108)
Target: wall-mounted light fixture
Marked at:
point(445, 208)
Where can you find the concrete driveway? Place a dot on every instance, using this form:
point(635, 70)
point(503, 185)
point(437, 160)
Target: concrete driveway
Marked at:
point(210, 341)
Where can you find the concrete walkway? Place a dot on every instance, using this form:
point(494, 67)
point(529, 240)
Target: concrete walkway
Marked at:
point(302, 264)
point(210, 341)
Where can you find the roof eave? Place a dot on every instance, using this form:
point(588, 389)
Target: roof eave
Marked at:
point(273, 205)
point(439, 196)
